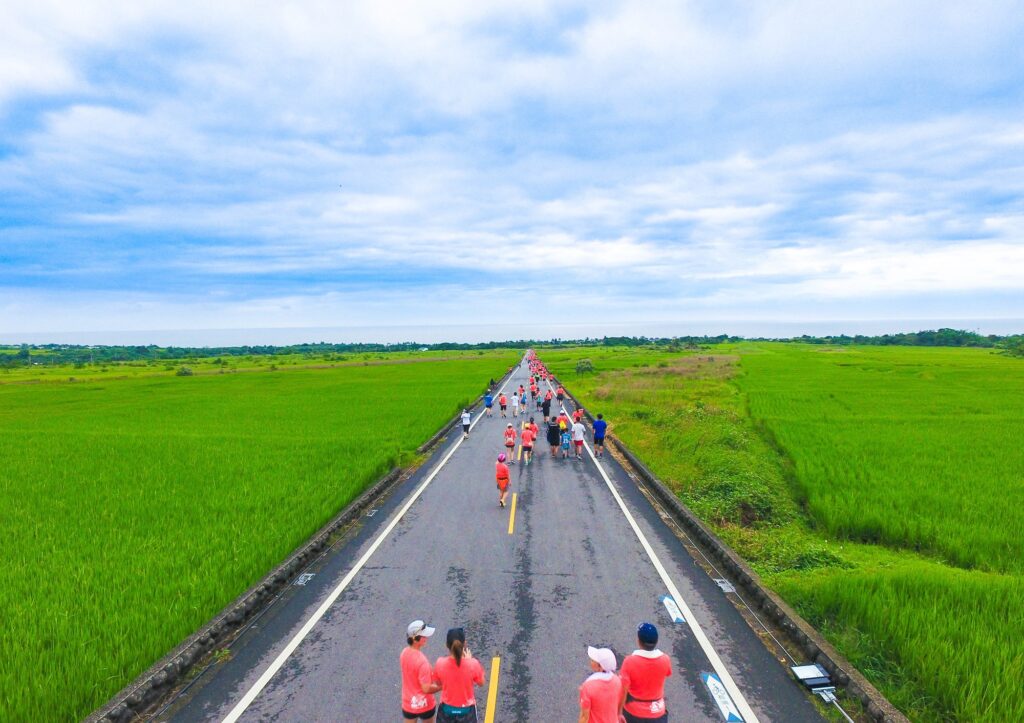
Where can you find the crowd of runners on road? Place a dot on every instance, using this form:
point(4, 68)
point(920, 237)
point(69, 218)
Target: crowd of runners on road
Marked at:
point(636, 693)
point(564, 434)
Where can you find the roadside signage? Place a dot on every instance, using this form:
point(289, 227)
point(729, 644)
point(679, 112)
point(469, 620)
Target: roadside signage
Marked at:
point(721, 697)
point(674, 613)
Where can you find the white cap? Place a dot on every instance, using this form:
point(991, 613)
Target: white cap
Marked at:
point(418, 627)
point(603, 657)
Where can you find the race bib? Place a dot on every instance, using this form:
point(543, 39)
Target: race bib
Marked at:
point(658, 706)
point(418, 702)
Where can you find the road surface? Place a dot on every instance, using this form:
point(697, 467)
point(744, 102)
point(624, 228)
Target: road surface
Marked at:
point(531, 587)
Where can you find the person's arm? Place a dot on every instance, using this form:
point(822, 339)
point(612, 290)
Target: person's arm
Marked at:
point(584, 715)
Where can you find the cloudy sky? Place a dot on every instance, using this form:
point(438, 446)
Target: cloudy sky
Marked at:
point(188, 165)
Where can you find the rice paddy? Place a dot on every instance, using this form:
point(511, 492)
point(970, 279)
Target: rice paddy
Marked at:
point(878, 489)
point(134, 508)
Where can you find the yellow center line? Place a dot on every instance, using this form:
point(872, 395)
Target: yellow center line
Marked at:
point(519, 453)
point(512, 514)
point(492, 689)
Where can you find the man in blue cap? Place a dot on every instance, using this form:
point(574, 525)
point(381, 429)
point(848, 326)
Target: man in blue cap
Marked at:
point(643, 675)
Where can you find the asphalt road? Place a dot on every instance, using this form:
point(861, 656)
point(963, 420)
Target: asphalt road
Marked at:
point(573, 571)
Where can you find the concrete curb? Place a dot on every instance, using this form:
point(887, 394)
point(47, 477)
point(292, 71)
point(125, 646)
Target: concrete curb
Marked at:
point(135, 700)
point(799, 631)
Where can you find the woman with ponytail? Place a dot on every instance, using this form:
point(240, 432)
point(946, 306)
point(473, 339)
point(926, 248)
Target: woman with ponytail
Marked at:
point(457, 673)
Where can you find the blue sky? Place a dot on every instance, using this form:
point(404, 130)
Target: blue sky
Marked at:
point(201, 166)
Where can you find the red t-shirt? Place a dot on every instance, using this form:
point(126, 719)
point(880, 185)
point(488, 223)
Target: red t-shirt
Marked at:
point(528, 436)
point(502, 400)
point(415, 674)
point(501, 470)
point(577, 415)
point(510, 438)
point(457, 680)
point(548, 395)
point(643, 676)
point(600, 694)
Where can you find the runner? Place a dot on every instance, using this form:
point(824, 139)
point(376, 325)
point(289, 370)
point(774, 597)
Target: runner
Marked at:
point(503, 403)
point(565, 440)
point(578, 433)
point(488, 402)
point(510, 442)
point(577, 416)
point(560, 393)
point(466, 419)
point(545, 407)
point(418, 687)
point(457, 673)
point(515, 405)
point(554, 437)
point(528, 436)
point(600, 428)
point(548, 395)
point(643, 679)
point(502, 477)
point(563, 420)
point(601, 692)
point(522, 400)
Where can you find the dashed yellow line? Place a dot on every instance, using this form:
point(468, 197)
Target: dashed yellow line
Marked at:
point(512, 514)
point(492, 688)
point(519, 453)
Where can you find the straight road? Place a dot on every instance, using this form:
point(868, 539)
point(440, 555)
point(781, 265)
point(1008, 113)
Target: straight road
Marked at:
point(572, 563)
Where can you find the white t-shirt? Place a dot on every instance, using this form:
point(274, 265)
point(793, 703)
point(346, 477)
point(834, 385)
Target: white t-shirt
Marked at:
point(515, 400)
point(466, 418)
point(578, 431)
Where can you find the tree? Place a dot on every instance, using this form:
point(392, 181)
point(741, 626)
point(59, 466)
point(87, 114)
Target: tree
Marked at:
point(584, 366)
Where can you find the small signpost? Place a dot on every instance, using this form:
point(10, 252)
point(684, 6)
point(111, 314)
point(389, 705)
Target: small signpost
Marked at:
point(721, 698)
point(724, 584)
point(674, 613)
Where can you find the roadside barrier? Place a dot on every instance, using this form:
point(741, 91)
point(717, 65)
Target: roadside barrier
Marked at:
point(799, 632)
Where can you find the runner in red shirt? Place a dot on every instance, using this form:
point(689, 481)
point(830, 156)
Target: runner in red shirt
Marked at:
point(503, 403)
point(418, 687)
point(643, 679)
point(510, 442)
point(457, 673)
point(501, 476)
point(577, 415)
point(528, 436)
point(601, 692)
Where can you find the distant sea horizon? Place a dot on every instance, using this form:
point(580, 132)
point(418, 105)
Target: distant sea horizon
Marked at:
point(483, 333)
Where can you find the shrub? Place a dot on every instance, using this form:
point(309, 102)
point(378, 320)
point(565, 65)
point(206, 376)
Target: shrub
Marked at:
point(184, 372)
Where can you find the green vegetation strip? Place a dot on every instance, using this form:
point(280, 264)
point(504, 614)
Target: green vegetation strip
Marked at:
point(873, 488)
point(136, 509)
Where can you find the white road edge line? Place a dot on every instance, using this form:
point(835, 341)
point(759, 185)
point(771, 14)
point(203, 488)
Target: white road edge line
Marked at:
point(283, 656)
point(698, 633)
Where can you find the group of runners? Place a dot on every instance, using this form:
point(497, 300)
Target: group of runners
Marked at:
point(635, 694)
point(565, 434)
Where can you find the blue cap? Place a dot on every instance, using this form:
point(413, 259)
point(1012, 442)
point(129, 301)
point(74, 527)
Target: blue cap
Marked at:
point(647, 633)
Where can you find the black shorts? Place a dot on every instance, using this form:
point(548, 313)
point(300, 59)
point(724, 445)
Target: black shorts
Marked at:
point(630, 718)
point(421, 716)
point(599, 440)
point(468, 717)
point(465, 428)
point(504, 407)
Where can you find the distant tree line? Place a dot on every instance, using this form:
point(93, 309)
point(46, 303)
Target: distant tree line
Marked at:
point(59, 354)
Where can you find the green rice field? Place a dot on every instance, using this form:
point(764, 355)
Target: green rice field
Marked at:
point(136, 504)
point(878, 489)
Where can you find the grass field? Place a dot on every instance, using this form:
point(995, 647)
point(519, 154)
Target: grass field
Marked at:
point(135, 508)
point(877, 489)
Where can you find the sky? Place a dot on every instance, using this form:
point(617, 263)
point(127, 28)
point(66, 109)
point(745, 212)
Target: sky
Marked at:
point(255, 165)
